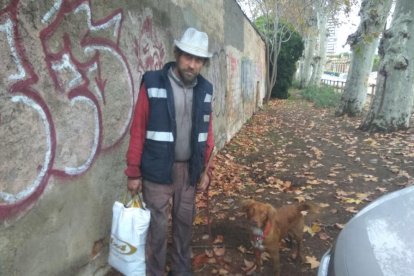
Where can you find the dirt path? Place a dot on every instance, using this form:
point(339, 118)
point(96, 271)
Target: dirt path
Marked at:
point(288, 152)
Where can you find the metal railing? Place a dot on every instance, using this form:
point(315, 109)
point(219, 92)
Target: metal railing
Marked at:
point(339, 86)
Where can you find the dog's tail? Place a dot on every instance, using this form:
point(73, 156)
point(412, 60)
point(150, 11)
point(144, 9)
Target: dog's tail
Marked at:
point(308, 206)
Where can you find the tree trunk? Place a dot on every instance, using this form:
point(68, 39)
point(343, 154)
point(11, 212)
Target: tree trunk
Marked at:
point(307, 60)
point(393, 101)
point(272, 50)
point(299, 69)
point(322, 19)
point(363, 44)
point(268, 86)
point(314, 65)
point(319, 59)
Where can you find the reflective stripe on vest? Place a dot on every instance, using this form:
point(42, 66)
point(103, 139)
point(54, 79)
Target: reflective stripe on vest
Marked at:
point(160, 136)
point(202, 137)
point(207, 99)
point(206, 118)
point(157, 93)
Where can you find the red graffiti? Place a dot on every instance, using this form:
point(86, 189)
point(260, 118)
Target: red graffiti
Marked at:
point(91, 48)
point(76, 67)
point(83, 39)
point(148, 49)
point(234, 64)
point(22, 86)
point(87, 67)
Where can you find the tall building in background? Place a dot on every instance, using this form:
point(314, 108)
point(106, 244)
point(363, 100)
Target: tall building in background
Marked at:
point(331, 39)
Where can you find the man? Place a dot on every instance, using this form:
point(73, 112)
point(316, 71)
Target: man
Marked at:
point(170, 145)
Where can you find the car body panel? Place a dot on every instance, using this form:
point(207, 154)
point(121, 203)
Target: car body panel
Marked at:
point(376, 241)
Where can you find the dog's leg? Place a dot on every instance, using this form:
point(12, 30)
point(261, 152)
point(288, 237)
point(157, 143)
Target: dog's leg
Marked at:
point(274, 253)
point(297, 250)
point(296, 235)
point(258, 256)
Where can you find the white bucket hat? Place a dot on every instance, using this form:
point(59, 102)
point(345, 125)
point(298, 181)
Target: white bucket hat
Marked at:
point(194, 42)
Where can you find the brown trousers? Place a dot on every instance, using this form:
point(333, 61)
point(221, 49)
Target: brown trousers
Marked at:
point(157, 197)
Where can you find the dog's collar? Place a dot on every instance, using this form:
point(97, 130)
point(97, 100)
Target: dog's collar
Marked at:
point(266, 230)
point(259, 235)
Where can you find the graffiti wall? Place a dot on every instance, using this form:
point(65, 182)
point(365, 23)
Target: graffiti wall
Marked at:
point(69, 76)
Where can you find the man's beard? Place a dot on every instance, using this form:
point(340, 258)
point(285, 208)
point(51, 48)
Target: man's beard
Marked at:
point(187, 76)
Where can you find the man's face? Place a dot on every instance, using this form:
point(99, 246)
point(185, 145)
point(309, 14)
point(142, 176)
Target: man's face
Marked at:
point(188, 67)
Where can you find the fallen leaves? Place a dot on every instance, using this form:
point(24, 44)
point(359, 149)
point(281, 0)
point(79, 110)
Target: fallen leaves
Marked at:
point(300, 199)
point(218, 246)
point(324, 236)
point(314, 229)
point(351, 209)
point(293, 153)
point(198, 220)
point(313, 182)
point(370, 178)
point(219, 251)
point(249, 267)
point(371, 142)
point(363, 196)
point(339, 226)
point(200, 260)
point(317, 152)
point(242, 249)
point(211, 255)
point(261, 190)
point(313, 261)
point(381, 189)
point(352, 198)
point(222, 271)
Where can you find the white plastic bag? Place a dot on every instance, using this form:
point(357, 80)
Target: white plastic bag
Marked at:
point(128, 235)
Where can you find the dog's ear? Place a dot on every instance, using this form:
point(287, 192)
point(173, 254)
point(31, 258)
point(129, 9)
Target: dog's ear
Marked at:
point(247, 204)
point(268, 209)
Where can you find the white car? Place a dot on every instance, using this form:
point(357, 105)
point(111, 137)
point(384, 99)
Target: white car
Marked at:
point(378, 240)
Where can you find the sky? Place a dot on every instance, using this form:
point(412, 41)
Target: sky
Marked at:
point(348, 24)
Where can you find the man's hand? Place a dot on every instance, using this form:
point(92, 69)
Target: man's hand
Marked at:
point(134, 185)
point(204, 183)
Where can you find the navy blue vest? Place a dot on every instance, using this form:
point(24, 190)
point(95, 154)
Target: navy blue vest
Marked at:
point(158, 155)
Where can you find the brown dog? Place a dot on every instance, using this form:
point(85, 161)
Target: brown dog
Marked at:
point(276, 224)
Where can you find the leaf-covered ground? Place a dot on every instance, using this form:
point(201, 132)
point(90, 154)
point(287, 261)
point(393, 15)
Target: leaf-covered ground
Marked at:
point(290, 152)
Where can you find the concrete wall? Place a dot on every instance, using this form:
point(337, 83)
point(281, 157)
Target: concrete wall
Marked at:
point(69, 75)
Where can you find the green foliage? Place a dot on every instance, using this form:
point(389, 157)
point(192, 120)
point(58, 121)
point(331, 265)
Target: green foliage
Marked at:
point(265, 27)
point(342, 55)
point(296, 84)
point(290, 52)
point(358, 49)
point(324, 96)
point(376, 65)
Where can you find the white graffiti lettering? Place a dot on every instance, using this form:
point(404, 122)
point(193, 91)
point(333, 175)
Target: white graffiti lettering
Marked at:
point(8, 29)
point(82, 168)
point(29, 189)
point(48, 16)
